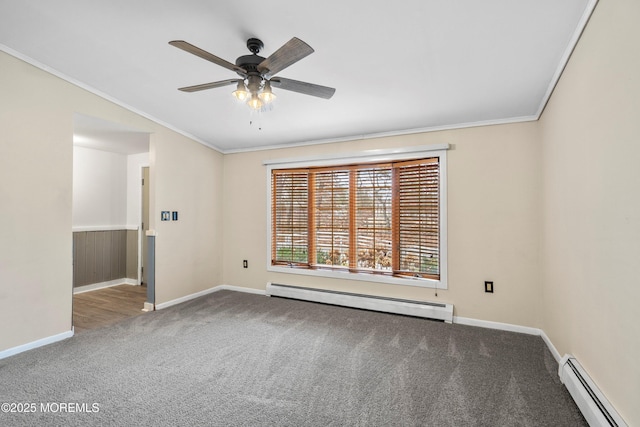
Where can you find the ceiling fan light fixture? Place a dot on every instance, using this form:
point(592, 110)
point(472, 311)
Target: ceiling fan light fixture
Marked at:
point(254, 102)
point(254, 88)
point(241, 93)
point(267, 95)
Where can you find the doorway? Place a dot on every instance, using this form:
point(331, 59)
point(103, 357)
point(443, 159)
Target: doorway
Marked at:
point(108, 226)
point(106, 306)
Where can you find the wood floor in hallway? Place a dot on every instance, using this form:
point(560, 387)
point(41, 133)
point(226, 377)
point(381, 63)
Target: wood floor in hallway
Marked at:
point(103, 307)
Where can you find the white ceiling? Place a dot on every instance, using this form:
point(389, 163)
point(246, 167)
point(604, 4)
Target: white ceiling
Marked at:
point(398, 67)
point(98, 134)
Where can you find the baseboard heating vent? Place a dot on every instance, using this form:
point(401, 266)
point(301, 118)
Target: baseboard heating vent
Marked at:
point(595, 408)
point(429, 310)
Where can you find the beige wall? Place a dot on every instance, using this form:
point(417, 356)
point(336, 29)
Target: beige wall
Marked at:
point(187, 179)
point(35, 198)
point(591, 205)
point(36, 123)
point(493, 179)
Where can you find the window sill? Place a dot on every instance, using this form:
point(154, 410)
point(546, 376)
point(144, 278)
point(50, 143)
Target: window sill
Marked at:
point(364, 277)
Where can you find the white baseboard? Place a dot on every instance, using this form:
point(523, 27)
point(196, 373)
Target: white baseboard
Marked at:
point(497, 325)
point(186, 298)
point(241, 289)
point(425, 309)
point(207, 292)
point(552, 348)
point(511, 328)
point(101, 285)
point(35, 344)
point(593, 404)
point(133, 227)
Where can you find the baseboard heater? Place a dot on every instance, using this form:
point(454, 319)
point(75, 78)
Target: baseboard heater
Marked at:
point(430, 310)
point(594, 406)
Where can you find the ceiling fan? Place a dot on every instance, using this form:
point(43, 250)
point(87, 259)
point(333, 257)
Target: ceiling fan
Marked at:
point(258, 73)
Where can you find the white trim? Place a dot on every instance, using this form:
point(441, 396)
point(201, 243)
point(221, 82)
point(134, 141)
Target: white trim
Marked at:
point(141, 235)
point(37, 64)
point(102, 285)
point(361, 156)
point(186, 298)
point(363, 277)
point(241, 289)
point(104, 228)
point(207, 292)
point(593, 404)
point(385, 155)
point(443, 283)
point(582, 23)
point(35, 344)
point(496, 325)
point(425, 309)
point(552, 348)
point(507, 121)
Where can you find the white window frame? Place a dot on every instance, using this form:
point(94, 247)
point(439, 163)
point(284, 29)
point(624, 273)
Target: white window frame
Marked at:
point(369, 156)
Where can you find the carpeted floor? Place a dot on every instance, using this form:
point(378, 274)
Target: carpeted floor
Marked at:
point(235, 359)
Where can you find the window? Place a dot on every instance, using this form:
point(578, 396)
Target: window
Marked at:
point(367, 219)
point(290, 216)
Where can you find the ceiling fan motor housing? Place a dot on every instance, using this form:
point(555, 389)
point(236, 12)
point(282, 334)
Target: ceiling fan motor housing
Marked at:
point(254, 45)
point(250, 63)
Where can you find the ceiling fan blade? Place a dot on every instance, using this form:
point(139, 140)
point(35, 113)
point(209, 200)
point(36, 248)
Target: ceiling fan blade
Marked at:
point(211, 85)
point(303, 87)
point(188, 47)
point(291, 52)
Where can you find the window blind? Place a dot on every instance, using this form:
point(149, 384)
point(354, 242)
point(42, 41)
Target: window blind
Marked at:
point(417, 218)
point(331, 212)
point(290, 213)
point(378, 218)
point(373, 218)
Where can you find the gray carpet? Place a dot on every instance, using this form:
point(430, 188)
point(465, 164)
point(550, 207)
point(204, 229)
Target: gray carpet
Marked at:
point(235, 359)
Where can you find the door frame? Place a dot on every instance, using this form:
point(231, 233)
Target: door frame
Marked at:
point(142, 238)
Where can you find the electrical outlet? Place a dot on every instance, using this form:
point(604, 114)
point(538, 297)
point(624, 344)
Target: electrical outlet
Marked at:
point(245, 263)
point(488, 287)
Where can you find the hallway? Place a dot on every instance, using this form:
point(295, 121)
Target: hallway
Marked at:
point(103, 307)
